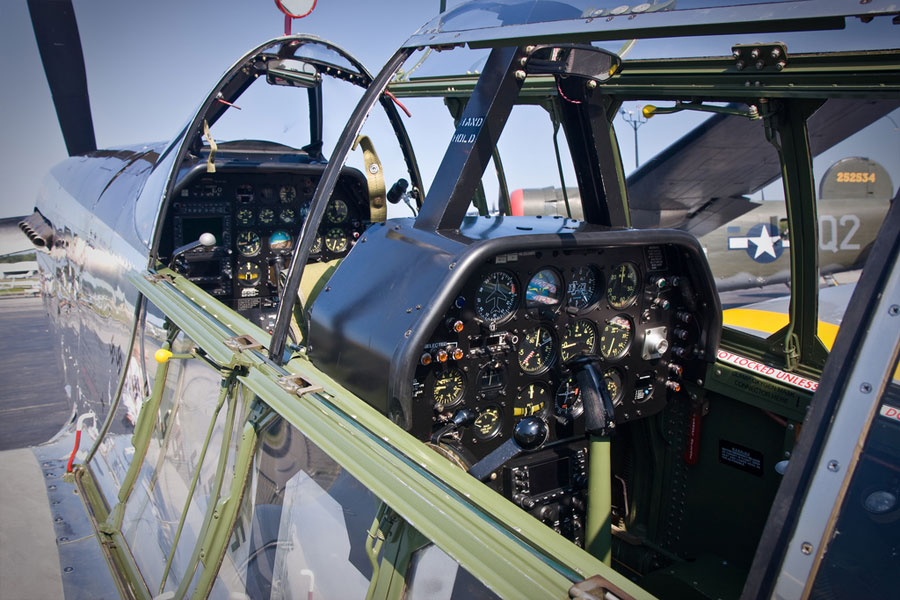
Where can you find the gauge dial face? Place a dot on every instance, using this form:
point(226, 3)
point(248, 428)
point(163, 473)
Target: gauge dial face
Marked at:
point(248, 243)
point(543, 289)
point(448, 387)
point(245, 217)
point(497, 296)
point(244, 193)
point(536, 350)
point(317, 245)
point(616, 337)
point(287, 216)
point(613, 380)
point(532, 401)
point(267, 216)
point(487, 424)
point(491, 377)
point(281, 241)
point(580, 338)
point(583, 287)
point(267, 194)
point(337, 211)
point(622, 288)
point(248, 273)
point(567, 404)
point(336, 240)
point(287, 193)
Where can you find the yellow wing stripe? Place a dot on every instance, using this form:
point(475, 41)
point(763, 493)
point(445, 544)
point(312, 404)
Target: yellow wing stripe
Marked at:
point(768, 323)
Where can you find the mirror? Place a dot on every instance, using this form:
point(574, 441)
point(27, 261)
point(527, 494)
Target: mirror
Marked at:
point(292, 72)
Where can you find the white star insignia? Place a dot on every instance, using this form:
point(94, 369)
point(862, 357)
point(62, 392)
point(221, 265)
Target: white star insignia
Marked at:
point(764, 243)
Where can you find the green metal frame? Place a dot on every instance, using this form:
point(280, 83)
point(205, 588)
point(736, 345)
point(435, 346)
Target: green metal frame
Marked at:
point(480, 529)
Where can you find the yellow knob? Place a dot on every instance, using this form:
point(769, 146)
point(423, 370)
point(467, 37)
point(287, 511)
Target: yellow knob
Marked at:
point(162, 356)
point(648, 111)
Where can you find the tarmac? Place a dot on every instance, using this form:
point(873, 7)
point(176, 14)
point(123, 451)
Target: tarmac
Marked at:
point(33, 407)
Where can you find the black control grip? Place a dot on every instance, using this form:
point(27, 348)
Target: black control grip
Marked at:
point(599, 412)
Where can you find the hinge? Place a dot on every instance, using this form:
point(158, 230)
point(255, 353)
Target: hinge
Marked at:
point(295, 384)
point(159, 277)
point(597, 588)
point(240, 343)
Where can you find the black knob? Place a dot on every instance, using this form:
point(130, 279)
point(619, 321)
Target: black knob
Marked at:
point(463, 417)
point(530, 433)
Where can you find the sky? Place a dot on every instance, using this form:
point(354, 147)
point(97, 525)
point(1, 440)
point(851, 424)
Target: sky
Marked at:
point(150, 64)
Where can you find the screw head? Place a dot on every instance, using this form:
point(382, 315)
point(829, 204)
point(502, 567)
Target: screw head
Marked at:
point(834, 466)
point(520, 75)
point(865, 388)
point(806, 548)
point(894, 310)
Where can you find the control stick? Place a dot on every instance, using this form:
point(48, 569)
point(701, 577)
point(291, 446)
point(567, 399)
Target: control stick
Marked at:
point(207, 240)
point(599, 411)
point(599, 423)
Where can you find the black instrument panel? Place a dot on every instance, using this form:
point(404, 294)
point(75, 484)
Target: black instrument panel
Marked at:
point(256, 216)
point(504, 348)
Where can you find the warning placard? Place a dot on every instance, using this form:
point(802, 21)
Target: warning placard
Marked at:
point(740, 457)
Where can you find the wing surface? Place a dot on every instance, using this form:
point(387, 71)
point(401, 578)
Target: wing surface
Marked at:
point(700, 182)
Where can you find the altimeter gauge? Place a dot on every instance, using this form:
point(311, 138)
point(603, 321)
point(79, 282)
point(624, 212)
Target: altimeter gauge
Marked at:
point(622, 288)
point(583, 287)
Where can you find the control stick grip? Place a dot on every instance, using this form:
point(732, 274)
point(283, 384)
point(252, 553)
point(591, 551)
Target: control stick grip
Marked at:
point(599, 412)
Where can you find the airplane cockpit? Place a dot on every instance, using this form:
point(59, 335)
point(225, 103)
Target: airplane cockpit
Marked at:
point(253, 196)
point(499, 397)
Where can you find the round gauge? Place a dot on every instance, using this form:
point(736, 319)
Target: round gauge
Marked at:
point(580, 338)
point(490, 377)
point(287, 193)
point(336, 240)
point(244, 193)
point(536, 350)
point(317, 245)
point(487, 424)
point(267, 194)
point(568, 403)
point(622, 288)
point(532, 401)
point(287, 216)
point(336, 211)
point(616, 337)
point(245, 217)
point(248, 273)
point(613, 380)
point(448, 387)
point(583, 287)
point(281, 241)
point(543, 289)
point(266, 216)
point(248, 243)
point(496, 297)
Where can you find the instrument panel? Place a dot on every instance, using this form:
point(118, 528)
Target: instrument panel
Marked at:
point(256, 217)
point(505, 348)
